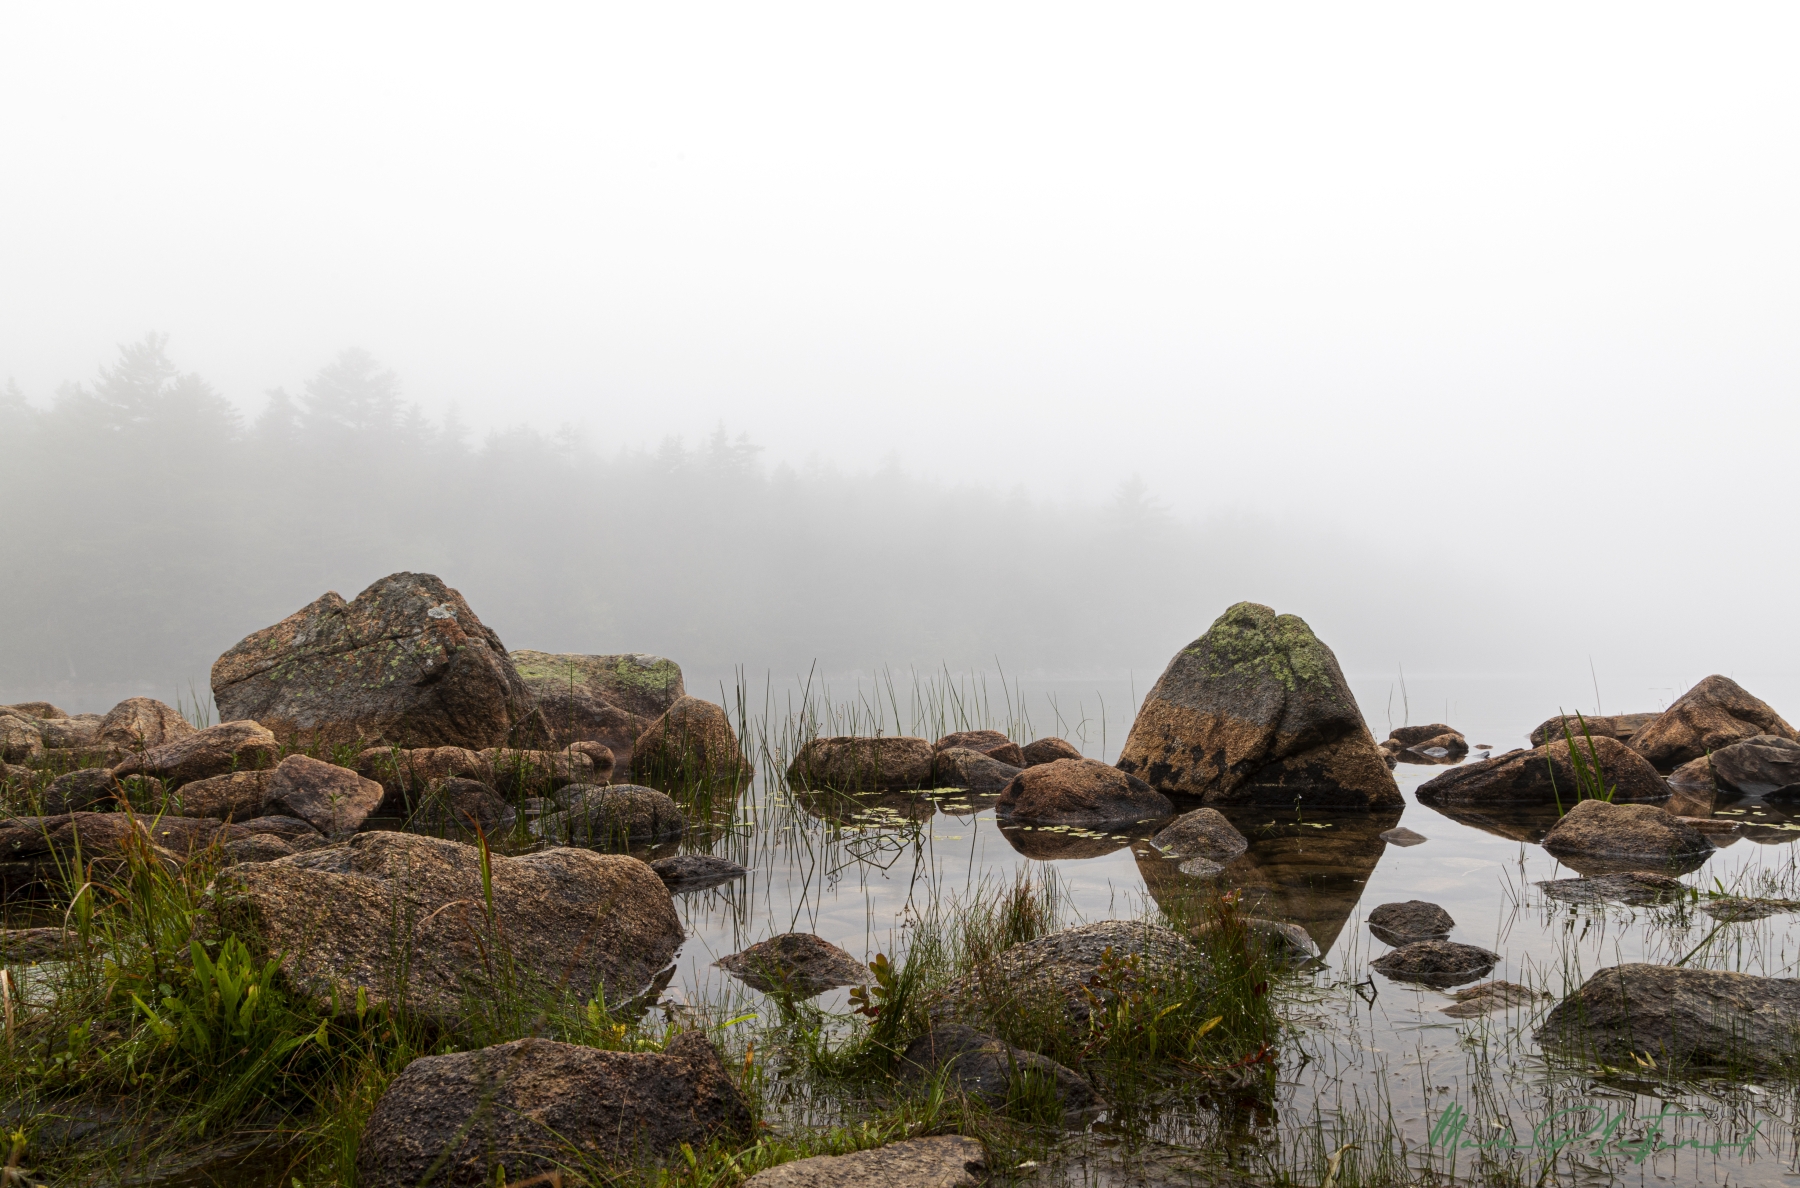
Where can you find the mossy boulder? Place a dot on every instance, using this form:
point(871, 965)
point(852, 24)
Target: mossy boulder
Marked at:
point(1258, 693)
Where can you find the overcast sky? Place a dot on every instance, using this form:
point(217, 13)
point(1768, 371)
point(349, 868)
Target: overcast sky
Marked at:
point(1379, 264)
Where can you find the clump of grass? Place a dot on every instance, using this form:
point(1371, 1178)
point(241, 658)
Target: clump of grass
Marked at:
point(1590, 781)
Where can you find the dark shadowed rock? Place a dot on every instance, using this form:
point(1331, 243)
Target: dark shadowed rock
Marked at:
point(1257, 709)
point(333, 799)
point(600, 755)
point(238, 796)
point(643, 686)
point(1544, 775)
point(614, 817)
point(1709, 717)
point(217, 750)
point(519, 773)
point(1436, 963)
point(989, 742)
point(407, 775)
point(1203, 833)
point(1415, 736)
point(1277, 940)
point(1489, 997)
point(1062, 967)
point(986, 1068)
point(20, 946)
point(1082, 792)
point(960, 767)
point(463, 806)
point(572, 918)
point(1413, 920)
point(1048, 750)
point(798, 964)
point(290, 829)
point(1619, 726)
point(258, 847)
point(848, 763)
point(682, 873)
point(1680, 1017)
point(1762, 765)
point(1695, 773)
point(946, 1161)
point(138, 723)
point(534, 1105)
point(45, 850)
point(20, 739)
point(79, 790)
point(692, 743)
point(1638, 832)
point(406, 663)
point(1058, 843)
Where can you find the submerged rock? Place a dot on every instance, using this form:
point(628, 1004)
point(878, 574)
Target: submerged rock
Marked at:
point(682, 873)
point(1436, 963)
point(406, 663)
point(1413, 920)
point(959, 767)
point(987, 1068)
point(614, 817)
point(797, 964)
point(848, 763)
point(1544, 776)
point(1257, 710)
point(1709, 717)
point(1762, 765)
point(1062, 967)
point(1082, 792)
point(1403, 837)
point(1680, 1017)
point(1048, 750)
point(692, 743)
point(1203, 833)
point(1489, 997)
point(139, 723)
point(947, 1161)
point(573, 919)
point(217, 750)
point(1735, 910)
point(536, 1106)
point(1619, 726)
point(1635, 888)
point(1636, 832)
point(332, 799)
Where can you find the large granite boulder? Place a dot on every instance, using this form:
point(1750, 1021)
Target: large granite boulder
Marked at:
point(571, 920)
point(332, 799)
point(692, 743)
point(1634, 833)
point(1545, 775)
point(406, 663)
point(535, 1106)
point(1083, 792)
point(139, 723)
point(1680, 1018)
point(1257, 710)
point(1762, 765)
point(1709, 717)
point(854, 764)
point(217, 750)
point(1619, 726)
point(945, 1161)
point(643, 686)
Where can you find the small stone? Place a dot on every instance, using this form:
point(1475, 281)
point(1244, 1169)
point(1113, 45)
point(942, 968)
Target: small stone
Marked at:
point(947, 1161)
point(1436, 963)
point(797, 964)
point(1490, 996)
point(991, 743)
point(335, 800)
point(1203, 833)
point(1635, 888)
point(1049, 750)
point(1413, 920)
point(1402, 836)
point(683, 873)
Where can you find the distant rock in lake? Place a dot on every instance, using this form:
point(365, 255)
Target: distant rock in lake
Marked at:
point(1709, 717)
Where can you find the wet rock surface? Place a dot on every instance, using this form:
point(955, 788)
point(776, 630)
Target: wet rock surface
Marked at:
point(848, 763)
point(1257, 709)
point(1679, 1016)
point(1413, 920)
point(692, 743)
point(946, 1161)
point(987, 1068)
point(1545, 775)
point(590, 922)
point(1049, 750)
point(1634, 888)
point(682, 873)
point(1762, 765)
point(533, 1106)
point(1082, 792)
point(1634, 832)
point(1436, 963)
point(1709, 717)
point(1489, 997)
point(959, 767)
point(614, 817)
point(1203, 833)
point(797, 964)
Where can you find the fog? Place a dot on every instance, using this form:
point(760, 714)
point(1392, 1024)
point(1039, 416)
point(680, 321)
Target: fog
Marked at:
point(1021, 337)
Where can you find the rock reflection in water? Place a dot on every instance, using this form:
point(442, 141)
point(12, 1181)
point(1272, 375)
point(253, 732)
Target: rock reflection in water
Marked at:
point(861, 809)
point(1048, 843)
point(1306, 868)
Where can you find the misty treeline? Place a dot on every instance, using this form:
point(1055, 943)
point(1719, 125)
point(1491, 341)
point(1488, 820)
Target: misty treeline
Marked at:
point(150, 525)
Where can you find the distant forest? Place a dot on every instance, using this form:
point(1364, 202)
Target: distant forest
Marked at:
point(149, 526)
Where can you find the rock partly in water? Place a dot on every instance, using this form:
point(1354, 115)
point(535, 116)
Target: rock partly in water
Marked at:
point(1203, 833)
point(139, 723)
point(1628, 832)
point(1733, 909)
point(1061, 967)
point(1695, 773)
point(1762, 765)
point(1634, 887)
point(217, 750)
point(849, 763)
point(334, 800)
point(1619, 726)
point(1679, 1017)
point(1257, 710)
point(1436, 963)
point(1403, 837)
point(691, 744)
point(960, 767)
point(1545, 776)
point(571, 919)
point(521, 773)
point(991, 743)
point(682, 873)
point(989, 1069)
point(536, 1106)
point(614, 818)
point(946, 1161)
point(600, 755)
point(795, 964)
point(462, 805)
point(1048, 750)
point(1412, 920)
point(1709, 717)
point(406, 663)
point(1414, 736)
point(1083, 792)
point(1488, 997)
